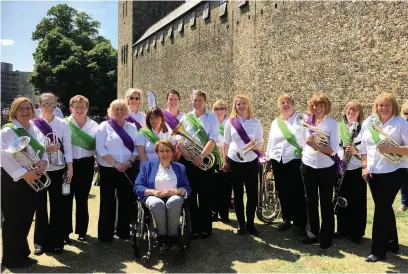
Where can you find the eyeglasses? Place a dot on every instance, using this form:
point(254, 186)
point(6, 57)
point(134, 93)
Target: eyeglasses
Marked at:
point(134, 98)
point(22, 109)
point(79, 108)
point(49, 105)
point(217, 109)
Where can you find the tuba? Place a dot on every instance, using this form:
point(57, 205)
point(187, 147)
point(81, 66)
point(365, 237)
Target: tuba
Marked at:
point(194, 148)
point(55, 158)
point(20, 146)
point(322, 138)
point(391, 157)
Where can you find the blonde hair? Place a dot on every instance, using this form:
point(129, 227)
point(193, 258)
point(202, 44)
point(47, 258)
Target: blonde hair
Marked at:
point(358, 106)
point(114, 104)
point(285, 96)
point(42, 95)
point(199, 93)
point(404, 108)
point(219, 103)
point(386, 96)
point(78, 99)
point(16, 104)
point(319, 98)
point(234, 112)
point(130, 91)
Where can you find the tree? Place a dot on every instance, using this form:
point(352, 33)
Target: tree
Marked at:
point(71, 58)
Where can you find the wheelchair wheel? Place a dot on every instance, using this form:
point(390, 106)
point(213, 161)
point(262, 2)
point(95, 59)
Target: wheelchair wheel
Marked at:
point(185, 228)
point(142, 236)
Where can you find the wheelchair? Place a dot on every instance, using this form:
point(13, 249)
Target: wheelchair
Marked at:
point(144, 231)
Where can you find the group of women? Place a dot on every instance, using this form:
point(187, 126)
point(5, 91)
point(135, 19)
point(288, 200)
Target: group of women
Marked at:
point(216, 152)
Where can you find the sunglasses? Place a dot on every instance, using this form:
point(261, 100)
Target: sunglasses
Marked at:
point(49, 105)
point(217, 109)
point(134, 98)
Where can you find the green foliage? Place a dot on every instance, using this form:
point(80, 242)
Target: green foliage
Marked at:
point(71, 58)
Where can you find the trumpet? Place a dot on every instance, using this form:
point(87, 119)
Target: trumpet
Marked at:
point(391, 157)
point(195, 148)
point(247, 149)
point(20, 146)
point(54, 158)
point(321, 137)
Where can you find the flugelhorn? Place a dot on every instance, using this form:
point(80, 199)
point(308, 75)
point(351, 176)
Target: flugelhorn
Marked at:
point(20, 146)
point(55, 158)
point(391, 157)
point(194, 148)
point(321, 137)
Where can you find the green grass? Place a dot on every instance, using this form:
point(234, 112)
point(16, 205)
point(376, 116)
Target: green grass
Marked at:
point(224, 251)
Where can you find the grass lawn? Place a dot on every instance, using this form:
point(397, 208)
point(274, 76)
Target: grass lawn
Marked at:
point(226, 252)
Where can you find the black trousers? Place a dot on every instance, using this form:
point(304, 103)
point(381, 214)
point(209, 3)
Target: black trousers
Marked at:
point(80, 187)
point(18, 206)
point(222, 189)
point(351, 220)
point(50, 234)
point(201, 197)
point(291, 192)
point(384, 188)
point(112, 180)
point(244, 174)
point(319, 184)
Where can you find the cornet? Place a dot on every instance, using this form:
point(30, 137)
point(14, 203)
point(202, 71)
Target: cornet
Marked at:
point(248, 148)
point(55, 158)
point(321, 137)
point(20, 146)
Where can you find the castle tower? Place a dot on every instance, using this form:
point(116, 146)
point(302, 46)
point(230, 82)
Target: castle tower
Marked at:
point(135, 17)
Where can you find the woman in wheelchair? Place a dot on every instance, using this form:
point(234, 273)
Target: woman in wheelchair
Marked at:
point(162, 186)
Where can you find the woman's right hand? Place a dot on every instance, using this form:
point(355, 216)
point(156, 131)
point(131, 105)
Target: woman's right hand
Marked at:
point(118, 166)
point(225, 166)
point(159, 193)
point(31, 176)
point(366, 175)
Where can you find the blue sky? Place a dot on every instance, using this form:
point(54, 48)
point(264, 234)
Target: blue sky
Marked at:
point(19, 19)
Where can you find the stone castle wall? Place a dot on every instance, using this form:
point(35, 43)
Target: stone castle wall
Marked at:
point(349, 50)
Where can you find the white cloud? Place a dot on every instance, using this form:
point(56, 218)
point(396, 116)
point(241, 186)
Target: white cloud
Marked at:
point(6, 42)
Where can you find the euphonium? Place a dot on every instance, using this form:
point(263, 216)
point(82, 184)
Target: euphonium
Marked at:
point(54, 158)
point(194, 148)
point(321, 137)
point(391, 157)
point(20, 146)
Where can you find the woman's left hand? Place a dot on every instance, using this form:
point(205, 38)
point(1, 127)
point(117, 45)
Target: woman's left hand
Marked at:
point(70, 173)
point(385, 148)
point(125, 166)
point(351, 150)
point(197, 160)
point(172, 192)
point(41, 166)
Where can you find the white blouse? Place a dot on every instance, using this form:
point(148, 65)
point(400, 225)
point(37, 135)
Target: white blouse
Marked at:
point(278, 147)
point(354, 162)
point(90, 128)
point(165, 178)
point(253, 128)
point(317, 159)
point(109, 142)
point(397, 128)
point(209, 122)
point(13, 163)
point(151, 154)
point(63, 132)
point(140, 117)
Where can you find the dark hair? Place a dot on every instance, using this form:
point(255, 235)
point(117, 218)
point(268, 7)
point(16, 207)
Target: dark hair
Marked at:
point(155, 111)
point(172, 91)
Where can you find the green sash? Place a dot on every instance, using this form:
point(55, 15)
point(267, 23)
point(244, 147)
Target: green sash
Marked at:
point(202, 135)
point(149, 135)
point(36, 146)
point(222, 129)
point(345, 136)
point(289, 136)
point(80, 138)
point(374, 134)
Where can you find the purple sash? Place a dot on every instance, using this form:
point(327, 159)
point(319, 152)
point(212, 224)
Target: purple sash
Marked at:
point(244, 136)
point(45, 129)
point(132, 120)
point(127, 141)
point(170, 119)
point(336, 159)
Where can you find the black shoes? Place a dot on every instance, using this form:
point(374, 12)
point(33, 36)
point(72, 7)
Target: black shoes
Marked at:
point(82, 238)
point(373, 258)
point(284, 226)
point(241, 231)
point(253, 231)
point(174, 243)
point(308, 241)
point(162, 243)
point(57, 250)
point(67, 241)
point(38, 250)
point(26, 263)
